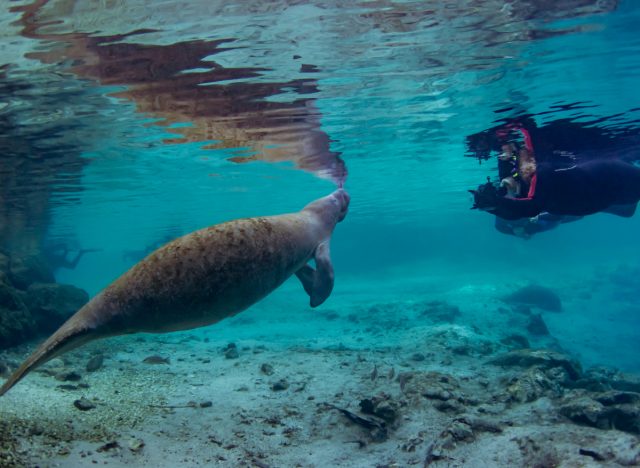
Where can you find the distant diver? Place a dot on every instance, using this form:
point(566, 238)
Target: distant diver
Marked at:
point(206, 276)
point(58, 256)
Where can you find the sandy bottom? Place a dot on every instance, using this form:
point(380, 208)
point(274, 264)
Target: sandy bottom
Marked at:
point(394, 383)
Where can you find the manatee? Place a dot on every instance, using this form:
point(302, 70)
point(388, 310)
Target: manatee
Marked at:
point(206, 276)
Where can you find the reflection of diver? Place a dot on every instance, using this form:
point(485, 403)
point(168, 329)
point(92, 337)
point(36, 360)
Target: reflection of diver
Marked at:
point(57, 256)
point(583, 189)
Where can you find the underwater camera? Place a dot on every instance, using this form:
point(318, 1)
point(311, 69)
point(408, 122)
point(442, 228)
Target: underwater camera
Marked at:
point(486, 196)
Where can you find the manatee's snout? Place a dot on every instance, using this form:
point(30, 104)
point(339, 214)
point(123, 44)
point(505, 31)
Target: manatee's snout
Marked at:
point(342, 199)
point(332, 208)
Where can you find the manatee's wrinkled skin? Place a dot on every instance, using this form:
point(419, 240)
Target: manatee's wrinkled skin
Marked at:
point(206, 276)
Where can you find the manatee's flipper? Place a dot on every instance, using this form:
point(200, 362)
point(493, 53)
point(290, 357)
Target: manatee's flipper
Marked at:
point(625, 211)
point(318, 283)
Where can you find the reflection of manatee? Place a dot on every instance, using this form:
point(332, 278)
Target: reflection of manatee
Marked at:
point(206, 276)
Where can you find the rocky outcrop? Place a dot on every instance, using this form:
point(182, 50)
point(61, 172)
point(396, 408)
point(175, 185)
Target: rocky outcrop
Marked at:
point(24, 271)
point(51, 304)
point(16, 322)
point(535, 296)
point(31, 303)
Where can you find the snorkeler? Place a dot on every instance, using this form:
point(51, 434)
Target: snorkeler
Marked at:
point(57, 256)
point(591, 187)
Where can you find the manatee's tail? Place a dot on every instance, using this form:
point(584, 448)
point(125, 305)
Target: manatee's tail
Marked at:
point(70, 335)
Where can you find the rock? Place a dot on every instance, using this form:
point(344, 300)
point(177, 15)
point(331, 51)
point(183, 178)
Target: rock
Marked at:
point(381, 406)
point(231, 353)
point(83, 404)
point(16, 322)
point(531, 385)
point(29, 269)
point(439, 311)
point(68, 376)
point(461, 431)
point(4, 263)
point(624, 382)
point(114, 445)
point(5, 370)
point(36, 430)
point(135, 445)
point(535, 296)
point(280, 385)
point(515, 341)
point(155, 359)
point(614, 397)
point(611, 415)
point(4, 279)
point(544, 358)
point(536, 452)
point(95, 363)
point(585, 411)
point(597, 456)
point(444, 390)
point(536, 325)
point(267, 369)
point(51, 304)
point(67, 387)
point(478, 424)
point(53, 367)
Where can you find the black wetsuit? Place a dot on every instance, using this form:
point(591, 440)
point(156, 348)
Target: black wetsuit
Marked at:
point(584, 189)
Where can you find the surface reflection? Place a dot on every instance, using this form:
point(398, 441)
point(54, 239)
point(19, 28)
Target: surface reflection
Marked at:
point(180, 83)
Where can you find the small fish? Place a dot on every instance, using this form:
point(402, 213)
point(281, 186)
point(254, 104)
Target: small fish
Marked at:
point(374, 373)
point(391, 374)
point(155, 359)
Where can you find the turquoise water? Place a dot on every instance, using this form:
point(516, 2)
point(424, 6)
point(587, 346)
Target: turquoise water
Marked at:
point(127, 124)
